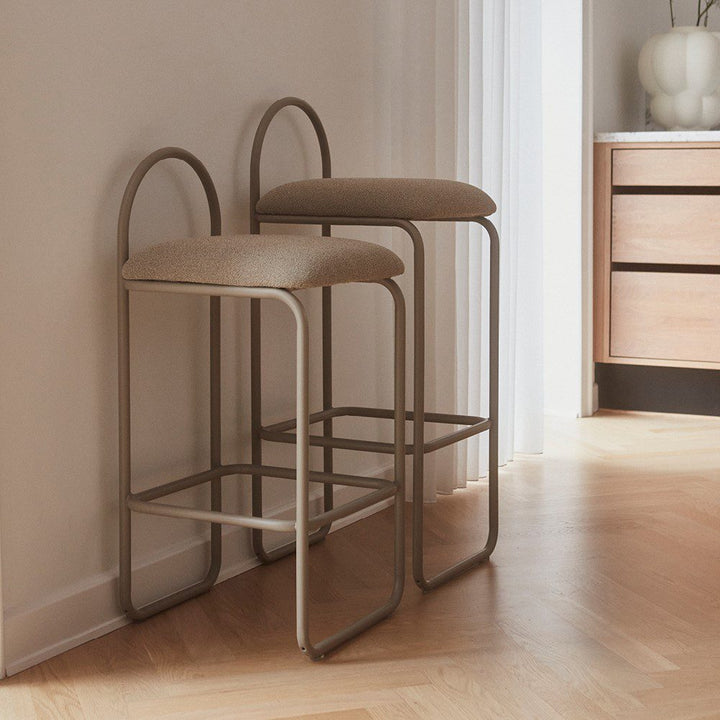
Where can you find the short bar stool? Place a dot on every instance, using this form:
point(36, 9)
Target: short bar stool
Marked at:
point(267, 267)
point(389, 202)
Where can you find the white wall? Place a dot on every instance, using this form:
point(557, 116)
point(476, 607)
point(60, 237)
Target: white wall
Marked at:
point(590, 84)
point(565, 239)
point(620, 30)
point(88, 90)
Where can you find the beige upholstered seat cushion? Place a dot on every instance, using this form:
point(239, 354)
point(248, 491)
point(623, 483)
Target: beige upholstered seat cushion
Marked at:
point(403, 198)
point(277, 261)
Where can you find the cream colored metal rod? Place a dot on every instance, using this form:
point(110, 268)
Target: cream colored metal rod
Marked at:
point(178, 511)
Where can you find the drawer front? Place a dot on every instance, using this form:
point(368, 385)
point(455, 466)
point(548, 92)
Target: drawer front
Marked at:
point(675, 229)
point(666, 316)
point(680, 167)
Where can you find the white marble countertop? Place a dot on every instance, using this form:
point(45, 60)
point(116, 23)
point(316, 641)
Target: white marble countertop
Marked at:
point(660, 136)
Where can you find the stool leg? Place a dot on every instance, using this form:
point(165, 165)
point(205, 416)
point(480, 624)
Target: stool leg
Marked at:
point(327, 385)
point(302, 476)
point(419, 412)
point(494, 394)
point(215, 433)
point(319, 649)
point(418, 400)
point(264, 555)
point(125, 486)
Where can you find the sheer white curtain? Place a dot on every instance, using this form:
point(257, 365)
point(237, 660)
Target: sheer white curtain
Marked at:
point(470, 109)
point(498, 147)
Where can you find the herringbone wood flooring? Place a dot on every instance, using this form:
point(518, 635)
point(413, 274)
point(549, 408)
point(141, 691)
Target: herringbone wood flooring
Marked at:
point(602, 601)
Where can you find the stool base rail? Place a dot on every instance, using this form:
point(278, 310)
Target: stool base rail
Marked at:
point(143, 502)
point(303, 525)
point(474, 426)
point(420, 447)
point(418, 332)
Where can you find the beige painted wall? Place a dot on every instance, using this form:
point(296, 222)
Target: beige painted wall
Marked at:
point(89, 88)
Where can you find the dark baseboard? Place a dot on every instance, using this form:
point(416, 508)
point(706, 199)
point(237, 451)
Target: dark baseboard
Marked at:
point(658, 389)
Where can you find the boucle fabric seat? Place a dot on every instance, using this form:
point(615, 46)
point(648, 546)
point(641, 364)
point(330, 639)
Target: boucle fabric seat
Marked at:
point(403, 198)
point(277, 261)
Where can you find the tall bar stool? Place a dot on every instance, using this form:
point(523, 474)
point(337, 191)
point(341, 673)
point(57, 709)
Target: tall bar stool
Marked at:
point(268, 267)
point(389, 202)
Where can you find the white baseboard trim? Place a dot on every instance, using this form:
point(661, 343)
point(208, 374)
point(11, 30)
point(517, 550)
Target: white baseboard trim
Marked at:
point(88, 610)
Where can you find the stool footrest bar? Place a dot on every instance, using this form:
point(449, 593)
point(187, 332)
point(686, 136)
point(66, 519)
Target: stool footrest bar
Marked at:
point(213, 516)
point(335, 442)
point(190, 481)
point(387, 448)
point(456, 436)
point(356, 411)
point(315, 417)
point(383, 490)
point(323, 477)
point(266, 470)
point(429, 417)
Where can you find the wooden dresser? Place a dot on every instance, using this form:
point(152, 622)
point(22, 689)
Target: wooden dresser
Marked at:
point(657, 250)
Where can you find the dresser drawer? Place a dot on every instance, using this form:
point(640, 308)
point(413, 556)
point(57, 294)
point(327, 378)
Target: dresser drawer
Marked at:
point(665, 316)
point(690, 167)
point(673, 229)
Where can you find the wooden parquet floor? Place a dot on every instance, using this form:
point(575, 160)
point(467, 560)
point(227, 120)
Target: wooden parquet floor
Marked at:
point(602, 601)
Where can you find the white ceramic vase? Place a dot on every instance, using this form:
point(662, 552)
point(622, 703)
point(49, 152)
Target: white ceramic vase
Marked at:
point(680, 70)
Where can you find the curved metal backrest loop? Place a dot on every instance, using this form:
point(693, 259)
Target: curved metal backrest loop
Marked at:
point(267, 118)
point(134, 183)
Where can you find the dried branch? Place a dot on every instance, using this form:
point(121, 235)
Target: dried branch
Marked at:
point(704, 14)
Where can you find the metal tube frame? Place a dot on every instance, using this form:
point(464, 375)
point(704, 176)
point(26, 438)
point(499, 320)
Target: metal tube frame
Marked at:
point(125, 525)
point(262, 553)
point(304, 526)
point(473, 426)
point(418, 447)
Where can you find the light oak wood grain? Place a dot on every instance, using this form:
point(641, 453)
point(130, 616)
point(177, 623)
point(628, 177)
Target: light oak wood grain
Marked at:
point(665, 316)
point(600, 603)
point(602, 204)
point(674, 229)
point(678, 166)
point(680, 229)
point(342, 715)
